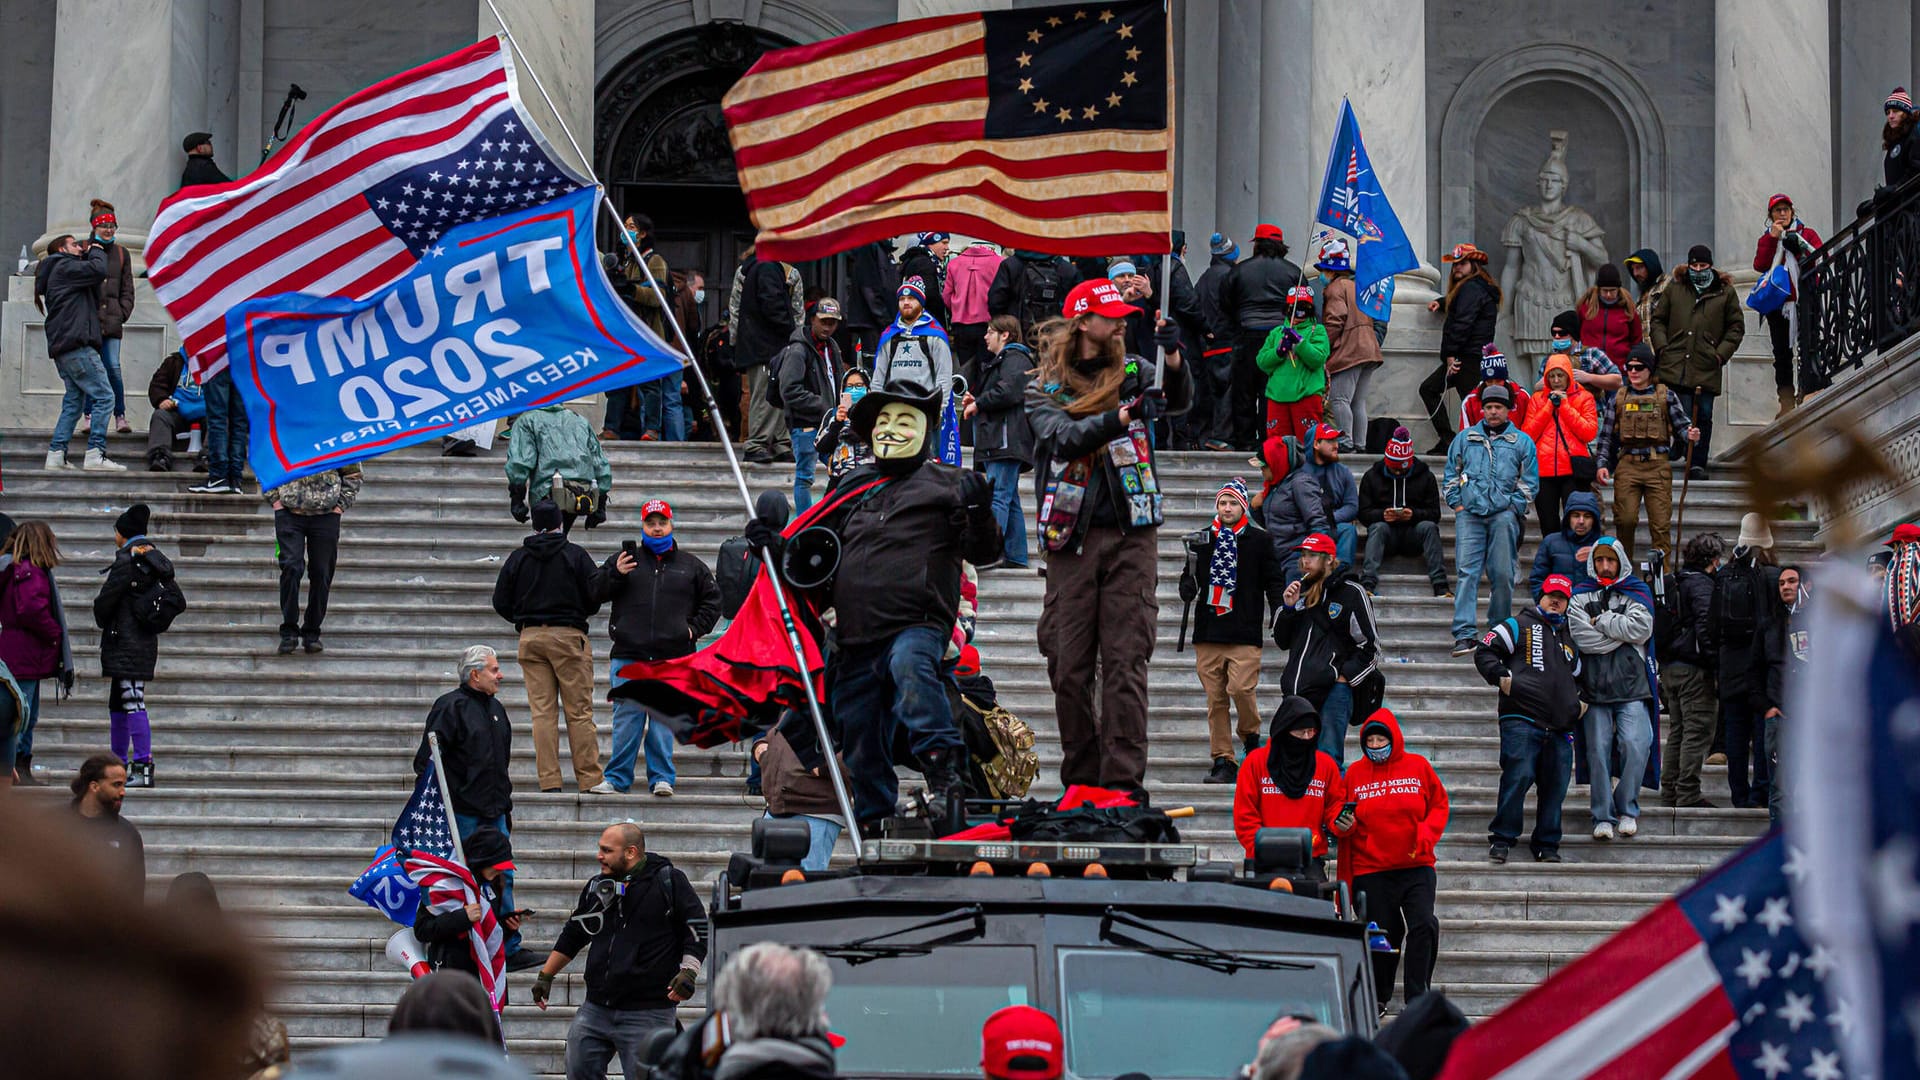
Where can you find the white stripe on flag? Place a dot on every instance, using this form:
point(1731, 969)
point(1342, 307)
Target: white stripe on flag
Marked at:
point(1705, 1052)
point(1618, 1026)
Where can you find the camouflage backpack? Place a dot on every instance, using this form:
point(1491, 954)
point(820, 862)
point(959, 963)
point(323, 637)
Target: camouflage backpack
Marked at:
point(1013, 771)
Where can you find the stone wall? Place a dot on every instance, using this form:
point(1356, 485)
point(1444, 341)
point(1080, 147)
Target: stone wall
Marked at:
point(26, 112)
point(343, 46)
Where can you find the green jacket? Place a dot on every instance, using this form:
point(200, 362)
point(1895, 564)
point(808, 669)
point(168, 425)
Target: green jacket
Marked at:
point(1694, 337)
point(1303, 372)
point(554, 439)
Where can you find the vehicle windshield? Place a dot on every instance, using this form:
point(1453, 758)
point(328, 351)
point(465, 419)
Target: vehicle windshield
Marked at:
point(922, 1014)
point(1116, 1004)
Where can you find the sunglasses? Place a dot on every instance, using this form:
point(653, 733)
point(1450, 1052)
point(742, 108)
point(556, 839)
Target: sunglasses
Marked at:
point(1637, 367)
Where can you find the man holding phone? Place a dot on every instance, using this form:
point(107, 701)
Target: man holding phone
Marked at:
point(1400, 506)
point(663, 599)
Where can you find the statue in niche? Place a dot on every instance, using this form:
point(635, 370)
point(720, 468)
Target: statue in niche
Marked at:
point(1552, 252)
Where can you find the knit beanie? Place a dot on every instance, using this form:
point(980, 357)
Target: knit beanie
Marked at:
point(133, 522)
point(546, 515)
point(1699, 253)
point(914, 287)
point(1221, 245)
point(1400, 448)
point(1607, 277)
point(1493, 363)
point(1899, 99)
point(1569, 321)
point(1237, 488)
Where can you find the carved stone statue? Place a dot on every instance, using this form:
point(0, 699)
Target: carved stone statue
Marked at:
point(1552, 252)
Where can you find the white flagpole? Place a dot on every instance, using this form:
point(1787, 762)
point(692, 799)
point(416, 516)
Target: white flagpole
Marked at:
point(726, 443)
point(446, 795)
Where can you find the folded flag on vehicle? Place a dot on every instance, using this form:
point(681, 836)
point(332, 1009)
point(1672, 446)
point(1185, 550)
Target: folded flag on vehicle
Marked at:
point(1044, 128)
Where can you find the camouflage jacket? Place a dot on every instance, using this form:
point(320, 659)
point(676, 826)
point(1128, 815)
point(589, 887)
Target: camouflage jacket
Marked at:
point(550, 440)
point(321, 493)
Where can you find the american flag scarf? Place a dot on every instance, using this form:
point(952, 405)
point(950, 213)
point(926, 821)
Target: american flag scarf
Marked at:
point(1224, 572)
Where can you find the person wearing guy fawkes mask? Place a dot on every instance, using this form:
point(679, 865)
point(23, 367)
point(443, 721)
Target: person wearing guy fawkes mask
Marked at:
point(904, 529)
point(635, 919)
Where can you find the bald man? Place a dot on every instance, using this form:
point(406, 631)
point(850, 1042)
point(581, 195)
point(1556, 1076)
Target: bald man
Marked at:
point(642, 960)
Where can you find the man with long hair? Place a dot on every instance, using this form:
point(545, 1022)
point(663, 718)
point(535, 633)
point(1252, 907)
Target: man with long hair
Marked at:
point(1090, 406)
point(1325, 622)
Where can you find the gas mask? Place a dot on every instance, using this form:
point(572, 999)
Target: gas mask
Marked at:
point(899, 432)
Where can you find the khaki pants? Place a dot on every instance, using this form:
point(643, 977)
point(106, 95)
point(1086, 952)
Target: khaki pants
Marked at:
point(1096, 631)
point(1637, 480)
point(1229, 674)
point(558, 669)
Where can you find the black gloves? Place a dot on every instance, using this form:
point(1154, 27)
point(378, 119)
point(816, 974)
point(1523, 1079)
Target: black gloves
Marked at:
point(1149, 406)
point(517, 493)
point(542, 988)
point(681, 987)
point(765, 536)
point(1167, 336)
point(599, 515)
point(976, 491)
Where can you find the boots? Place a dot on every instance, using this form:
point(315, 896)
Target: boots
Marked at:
point(1786, 401)
point(946, 786)
point(140, 774)
point(159, 461)
point(23, 772)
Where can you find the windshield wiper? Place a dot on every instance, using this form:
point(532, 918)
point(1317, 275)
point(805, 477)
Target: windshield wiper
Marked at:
point(1200, 955)
point(875, 947)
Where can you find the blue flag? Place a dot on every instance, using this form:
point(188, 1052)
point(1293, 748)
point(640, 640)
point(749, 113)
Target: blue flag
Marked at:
point(386, 887)
point(499, 316)
point(1353, 205)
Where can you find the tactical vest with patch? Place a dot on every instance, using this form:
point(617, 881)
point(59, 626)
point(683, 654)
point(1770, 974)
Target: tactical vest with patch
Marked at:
point(1644, 424)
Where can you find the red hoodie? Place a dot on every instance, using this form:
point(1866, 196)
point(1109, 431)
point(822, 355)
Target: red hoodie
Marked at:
point(1401, 811)
point(1258, 803)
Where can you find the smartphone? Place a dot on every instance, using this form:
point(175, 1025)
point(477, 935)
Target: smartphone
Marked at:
point(523, 913)
point(1350, 808)
point(631, 549)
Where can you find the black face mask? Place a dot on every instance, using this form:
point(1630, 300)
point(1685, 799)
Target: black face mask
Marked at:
point(1092, 365)
point(1495, 429)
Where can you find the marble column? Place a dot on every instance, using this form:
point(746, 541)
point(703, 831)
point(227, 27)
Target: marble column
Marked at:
point(1771, 83)
point(1289, 166)
point(118, 137)
point(556, 38)
point(1237, 164)
point(1387, 83)
point(1197, 131)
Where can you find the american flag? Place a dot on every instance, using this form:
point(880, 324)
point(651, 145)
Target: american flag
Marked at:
point(1716, 982)
point(1046, 128)
point(425, 832)
point(358, 197)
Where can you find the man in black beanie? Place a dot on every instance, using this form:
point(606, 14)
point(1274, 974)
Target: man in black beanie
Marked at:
point(1695, 328)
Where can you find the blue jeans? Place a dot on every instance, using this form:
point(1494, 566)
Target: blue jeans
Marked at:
point(1346, 537)
point(881, 691)
point(1335, 712)
point(226, 425)
point(631, 727)
point(1626, 727)
point(110, 356)
point(825, 834)
point(1531, 756)
point(468, 824)
point(805, 457)
point(673, 417)
point(1005, 477)
point(1483, 542)
point(29, 689)
point(88, 391)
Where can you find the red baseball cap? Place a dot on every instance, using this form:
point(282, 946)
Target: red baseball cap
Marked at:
point(1557, 583)
point(1903, 534)
point(1097, 296)
point(1319, 542)
point(657, 506)
point(1326, 431)
point(1021, 1043)
point(1264, 231)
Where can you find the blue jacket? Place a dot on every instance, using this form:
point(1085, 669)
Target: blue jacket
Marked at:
point(1559, 551)
point(1342, 494)
point(1490, 473)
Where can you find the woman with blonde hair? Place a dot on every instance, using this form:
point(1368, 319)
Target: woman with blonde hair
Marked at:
point(33, 629)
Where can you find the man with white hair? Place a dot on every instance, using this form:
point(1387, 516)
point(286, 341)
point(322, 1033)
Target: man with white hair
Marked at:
point(775, 997)
point(476, 742)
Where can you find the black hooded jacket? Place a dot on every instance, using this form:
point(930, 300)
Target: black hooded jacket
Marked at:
point(634, 948)
point(1544, 666)
point(1000, 431)
point(128, 650)
point(476, 747)
point(73, 299)
point(662, 606)
point(871, 281)
point(1470, 318)
point(548, 581)
point(1415, 489)
point(1291, 762)
point(1254, 296)
point(908, 537)
point(1331, 641)
point(1694, 642)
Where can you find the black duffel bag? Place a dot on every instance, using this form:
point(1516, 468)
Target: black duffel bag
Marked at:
point(1046, 823)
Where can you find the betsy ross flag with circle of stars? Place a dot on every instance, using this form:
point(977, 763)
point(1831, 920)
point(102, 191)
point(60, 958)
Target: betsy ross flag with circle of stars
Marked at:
point(1041, 128)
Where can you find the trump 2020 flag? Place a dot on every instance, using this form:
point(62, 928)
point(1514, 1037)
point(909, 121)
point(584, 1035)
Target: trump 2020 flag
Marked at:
point(385, 887)
point(1717, 982)
point(1354, 205)
point(498, 316)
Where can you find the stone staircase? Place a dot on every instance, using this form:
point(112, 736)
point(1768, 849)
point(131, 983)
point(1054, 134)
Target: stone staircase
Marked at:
point(278, 776)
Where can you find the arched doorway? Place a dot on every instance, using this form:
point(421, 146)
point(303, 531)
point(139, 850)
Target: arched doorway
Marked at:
point(663, 146)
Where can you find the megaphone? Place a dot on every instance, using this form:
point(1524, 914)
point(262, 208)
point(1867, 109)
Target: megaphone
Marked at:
point(405, 949)
point(812, 556)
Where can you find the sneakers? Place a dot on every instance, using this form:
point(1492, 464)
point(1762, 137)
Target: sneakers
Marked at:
point(1603, 831)
point(1629, 826)
point(57, 459)
point(1497, 854)
point(1696, 473)
point(288, 643)
point(98, 461)
point(1253, 741)
point(314, 645)
point(663, 789)
point(159, 461)
point(1223, 772)
point(212, 487)
point(1462, 646)
point(140, 774)
point(1547, 856)
point(120, 425)
point(604, 788)
point(1443, 592)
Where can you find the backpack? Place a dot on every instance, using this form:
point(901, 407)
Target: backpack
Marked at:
point(1669, 621)
point(734, 573)
point(1041, 298)
point(1739, 601)
point(1011, 773)
point(772, 394)
point(157, 604)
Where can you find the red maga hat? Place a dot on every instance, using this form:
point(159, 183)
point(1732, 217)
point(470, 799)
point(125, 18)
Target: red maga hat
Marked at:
point(1097, 296)
point(1318, 542)
point(1021, 1043)
point(657, 506)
